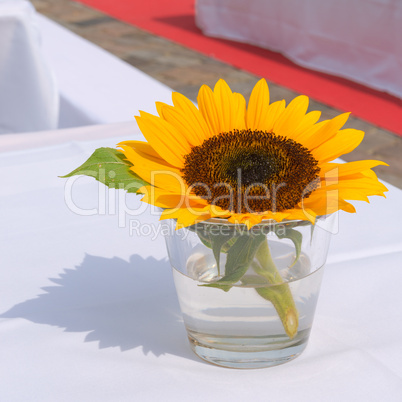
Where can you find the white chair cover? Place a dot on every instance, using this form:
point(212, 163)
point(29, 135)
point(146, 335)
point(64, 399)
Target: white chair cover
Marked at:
point(355, 39)
point(28, 94)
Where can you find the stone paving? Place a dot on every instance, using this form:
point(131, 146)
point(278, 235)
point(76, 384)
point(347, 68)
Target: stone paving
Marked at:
point(185, 70)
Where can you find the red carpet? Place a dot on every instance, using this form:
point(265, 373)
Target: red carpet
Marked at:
point(174, 20)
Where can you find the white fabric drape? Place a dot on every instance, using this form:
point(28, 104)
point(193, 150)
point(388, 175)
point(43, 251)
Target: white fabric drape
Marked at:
point(355, 39)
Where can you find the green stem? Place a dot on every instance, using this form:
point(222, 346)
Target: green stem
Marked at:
point(280, 295)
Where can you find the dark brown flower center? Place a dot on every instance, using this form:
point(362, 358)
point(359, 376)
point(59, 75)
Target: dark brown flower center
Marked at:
point(251, 171)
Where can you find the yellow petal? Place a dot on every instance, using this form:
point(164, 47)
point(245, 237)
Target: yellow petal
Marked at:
point(368, 185)
point(346, 206)
point(305, 214)
point(355, 194)
point(245, 219)
point(342, 143)
point(291, 117)
point(208, 109)
point(186, 217)
point(143, 149)
point(164, 138)
point(239, 105)
point(222, 96)
point(159, 107)
point(223, 110)
point(155, 173)
point(326, 131)
point(307, 123)
point(369, 173)
point(137, 158)
point(166, 199)
point(327, 204)
point(194, 115)
point(184, 124)
point(170, 200)
point(277, 216)
point(231, 108)
point(258, 105)
point(162, 178)
point(273, 112)
point(349, 168)
point(254, 219)
point(349, 189)
point(305, 136)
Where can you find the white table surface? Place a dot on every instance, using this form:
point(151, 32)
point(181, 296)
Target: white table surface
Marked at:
point(88, 310)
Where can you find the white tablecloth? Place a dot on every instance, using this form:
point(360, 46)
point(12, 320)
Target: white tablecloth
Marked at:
point(355, 39)
point(88, 310)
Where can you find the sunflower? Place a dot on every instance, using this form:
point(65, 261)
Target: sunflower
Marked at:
point(247, 164)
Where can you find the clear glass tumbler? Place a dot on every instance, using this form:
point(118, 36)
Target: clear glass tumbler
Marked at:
point(248, 296)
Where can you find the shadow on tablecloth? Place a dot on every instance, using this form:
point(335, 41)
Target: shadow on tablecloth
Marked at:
point(119, 303)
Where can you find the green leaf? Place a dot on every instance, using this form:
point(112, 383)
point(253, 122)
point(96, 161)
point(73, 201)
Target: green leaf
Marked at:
point(225, 288)
point(312, 230)
point(296, 238)
point(217, 242)
point(216, 238)
point(239, 258)
point(108, 166)
point(205, 238)
point(278, 293)
point(202, 234)
point(254, 280)
point(229, 243)
point(281, 298)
